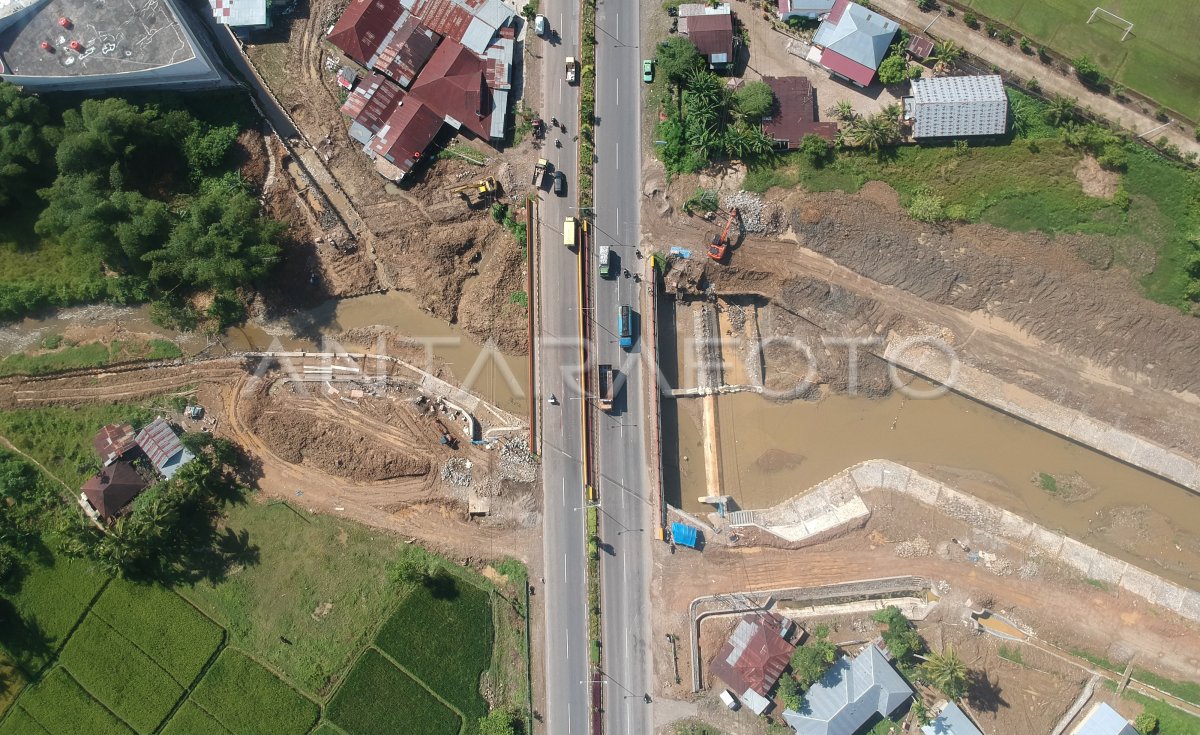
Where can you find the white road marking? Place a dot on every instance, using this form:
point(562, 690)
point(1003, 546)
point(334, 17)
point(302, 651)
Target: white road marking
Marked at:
point(625, 570)
point(568, 717)
point(564, 491)
point(617, 157)
point(617, 96)
point(565, 567)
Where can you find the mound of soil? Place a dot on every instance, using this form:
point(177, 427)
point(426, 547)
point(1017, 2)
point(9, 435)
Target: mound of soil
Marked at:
point(335, 449)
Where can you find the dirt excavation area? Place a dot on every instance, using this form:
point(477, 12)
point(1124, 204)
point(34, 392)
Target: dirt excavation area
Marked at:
point(369, 234)
point(368, 450)
point(1025, 308)
point(1023, 684)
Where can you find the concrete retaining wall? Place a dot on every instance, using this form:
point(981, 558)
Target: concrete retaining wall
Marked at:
point(879, 474)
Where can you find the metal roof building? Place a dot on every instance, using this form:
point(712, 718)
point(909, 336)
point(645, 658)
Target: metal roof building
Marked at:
point(710, 29)
point(1104, 720)
point(163, 448)
point(754, 657)
point(853, 40)
point(950, 107)
point(951, 721)
point(849, 694)
point(241, 13)
point(811, 9)
point(794, 113)
point(107, 494)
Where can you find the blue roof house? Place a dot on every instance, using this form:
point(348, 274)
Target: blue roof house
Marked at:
point(951, 721)
point(1104, 720)
point(850, 693)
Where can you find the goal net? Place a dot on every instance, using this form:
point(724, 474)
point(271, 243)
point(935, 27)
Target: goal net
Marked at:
point(1112, 18)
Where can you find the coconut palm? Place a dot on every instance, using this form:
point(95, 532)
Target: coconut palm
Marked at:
point(874, 132)
point(1061, 110)
point(946, 52)
point(947, 672)
point(843, 111)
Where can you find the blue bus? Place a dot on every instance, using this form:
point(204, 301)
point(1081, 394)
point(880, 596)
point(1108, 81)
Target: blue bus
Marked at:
point(625, 326)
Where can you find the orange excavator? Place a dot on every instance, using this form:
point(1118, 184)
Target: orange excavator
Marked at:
point(718, 246)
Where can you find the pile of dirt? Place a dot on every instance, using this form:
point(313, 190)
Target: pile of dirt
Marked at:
point(305, 430)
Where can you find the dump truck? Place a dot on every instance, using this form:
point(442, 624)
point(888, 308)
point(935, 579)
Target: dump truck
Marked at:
point(569, 232)
point(605, 378)
point(606, 257)
point(572, 70)
point(539, 171)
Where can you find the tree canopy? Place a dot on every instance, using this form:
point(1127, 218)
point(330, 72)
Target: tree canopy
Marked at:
point(676, 58)
point(148, 193)
point(753, 100)
point(946, 672)
point(24, 148)
point(893, 70)
point(900, 638)
point(811, 660)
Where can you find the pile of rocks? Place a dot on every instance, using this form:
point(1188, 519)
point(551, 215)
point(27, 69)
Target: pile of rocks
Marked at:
point(756, 215)
point(457, 472)
point(516, 461)
point(916, 547)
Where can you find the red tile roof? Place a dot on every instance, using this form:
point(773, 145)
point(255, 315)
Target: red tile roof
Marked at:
point(362, 28)
point(835, 62)
point(373, 101)
point(406, 134)
point(712, 34)
point(114, 441)
point(113, 488)
point(407, 51)
point(755, 655)
point(452, 83)
point(794, 114)
point(835, 13)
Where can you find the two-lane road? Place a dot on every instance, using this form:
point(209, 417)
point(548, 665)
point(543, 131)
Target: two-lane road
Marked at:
point(627, 518)
point(564, 592)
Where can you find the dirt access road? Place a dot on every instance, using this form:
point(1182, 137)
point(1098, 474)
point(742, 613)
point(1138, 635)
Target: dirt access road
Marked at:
point(460, 264)
point(903, 538)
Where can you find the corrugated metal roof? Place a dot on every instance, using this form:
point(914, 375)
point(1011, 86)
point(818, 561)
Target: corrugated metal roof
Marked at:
point(113, 488)
point(858, 34)
point(364, 27)
point(951, 721)
point(406, 134)
point(807, 8)
point(373, 101)
point(239, 12)
point(1104, 720)
point(406, 51)
point(755, 655)
point(794, 114)
point(955, 106)
point(848, 695)
point(711, 34)
point(163, 448)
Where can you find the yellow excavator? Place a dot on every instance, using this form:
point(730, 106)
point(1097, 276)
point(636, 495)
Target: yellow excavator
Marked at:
point(484, 187)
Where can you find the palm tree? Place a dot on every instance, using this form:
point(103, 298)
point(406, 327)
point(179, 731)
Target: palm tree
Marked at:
point(874, 132)
point(945, 53)
point(1061, 110)
point(946, 672)
point(843, 111)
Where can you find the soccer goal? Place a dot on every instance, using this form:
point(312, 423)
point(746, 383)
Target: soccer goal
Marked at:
point(1114, 19)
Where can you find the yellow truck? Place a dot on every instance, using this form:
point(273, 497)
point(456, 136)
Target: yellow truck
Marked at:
point(569, 232)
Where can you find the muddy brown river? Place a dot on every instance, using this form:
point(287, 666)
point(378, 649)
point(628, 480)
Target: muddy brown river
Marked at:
point(500, 378)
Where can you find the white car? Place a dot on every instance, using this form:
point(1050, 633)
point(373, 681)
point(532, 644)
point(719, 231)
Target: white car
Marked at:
point(540, 26)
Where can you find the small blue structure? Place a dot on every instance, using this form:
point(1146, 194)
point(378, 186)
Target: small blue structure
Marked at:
point(685, 535)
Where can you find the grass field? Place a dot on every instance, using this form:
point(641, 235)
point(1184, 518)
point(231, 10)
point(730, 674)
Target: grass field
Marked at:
point(1171, 721)
point(39, 272)
point(285, 623)
point(1161, 59)
point(451, 654)
point(358, 709)
point(93, 354)
point(327, 604)
point(274, 707)
point(1029, 184)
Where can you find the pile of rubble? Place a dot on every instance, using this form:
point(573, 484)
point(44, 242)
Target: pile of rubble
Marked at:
point(916, 547)
point(516, 461)
point(457, 472)
point(756, 215)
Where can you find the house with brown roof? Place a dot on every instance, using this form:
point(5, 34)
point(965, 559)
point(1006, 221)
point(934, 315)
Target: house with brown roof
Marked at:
point(114, 442)
point(754, 657)
point(454, 58)
point(111, 491)
point(710, 29)
point(794, 114)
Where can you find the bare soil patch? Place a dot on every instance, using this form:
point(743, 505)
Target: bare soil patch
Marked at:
point(1096, 182)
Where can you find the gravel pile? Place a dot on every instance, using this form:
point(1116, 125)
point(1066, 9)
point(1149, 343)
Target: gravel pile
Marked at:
point(516, 462)
point(737, 316)
point(457, 472)
point(756, 215)
point(917, 547)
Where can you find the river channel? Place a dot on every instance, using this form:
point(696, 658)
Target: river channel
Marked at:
point(772, 451)
point(500, 378)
